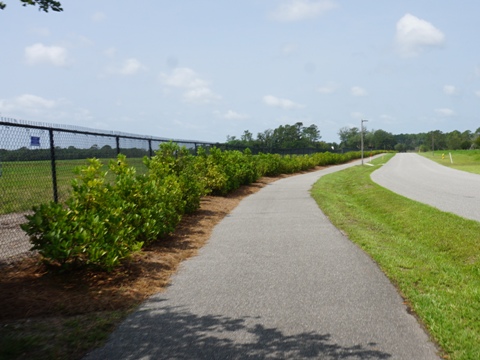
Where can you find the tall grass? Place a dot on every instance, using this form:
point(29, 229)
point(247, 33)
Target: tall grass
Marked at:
point(433, 257)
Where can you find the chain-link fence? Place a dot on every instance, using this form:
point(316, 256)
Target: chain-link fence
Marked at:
point(37, 163)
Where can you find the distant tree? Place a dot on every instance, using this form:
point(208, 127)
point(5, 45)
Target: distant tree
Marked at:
point(454, 140)
point(311, 134)
point(44, 5)
point(383, 140)
point(247, 137)
point(350, 137)
point(400, 147)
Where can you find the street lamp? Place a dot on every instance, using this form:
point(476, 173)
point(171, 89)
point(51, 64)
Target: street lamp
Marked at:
point(361, 135)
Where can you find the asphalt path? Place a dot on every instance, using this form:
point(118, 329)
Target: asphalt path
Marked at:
point(423, 180)
point(276, 281)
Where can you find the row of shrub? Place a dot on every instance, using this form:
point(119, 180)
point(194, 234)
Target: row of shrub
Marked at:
point(105, 220)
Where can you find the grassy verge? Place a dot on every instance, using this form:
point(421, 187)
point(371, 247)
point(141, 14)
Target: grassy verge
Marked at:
point(433, 257)
point(465, 160)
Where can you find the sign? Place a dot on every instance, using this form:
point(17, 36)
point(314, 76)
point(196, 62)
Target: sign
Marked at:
point(34, 140)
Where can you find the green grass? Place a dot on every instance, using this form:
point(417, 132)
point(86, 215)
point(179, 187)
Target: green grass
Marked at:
point(465, 160)
point(433, 257)
point(27, 183)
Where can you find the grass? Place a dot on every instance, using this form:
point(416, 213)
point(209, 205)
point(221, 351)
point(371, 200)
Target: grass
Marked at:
point(432, 257)
point(25, 183)
point(465, 160)
point(45, 339)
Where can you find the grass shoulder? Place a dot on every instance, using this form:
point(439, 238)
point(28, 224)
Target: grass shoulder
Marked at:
point(464, 160)
point(432, 257)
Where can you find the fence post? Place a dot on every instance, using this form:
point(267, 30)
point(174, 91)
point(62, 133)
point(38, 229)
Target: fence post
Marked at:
point(117, 140)
point(150, 152)
point(53, 165)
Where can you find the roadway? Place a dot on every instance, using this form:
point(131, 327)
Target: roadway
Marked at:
point(423, 180)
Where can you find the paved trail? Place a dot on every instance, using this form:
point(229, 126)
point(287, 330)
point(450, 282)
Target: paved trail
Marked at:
point(423, 180)
point(276, 281)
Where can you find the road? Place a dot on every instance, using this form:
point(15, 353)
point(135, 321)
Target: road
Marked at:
point(423, 180)
point(276, 281)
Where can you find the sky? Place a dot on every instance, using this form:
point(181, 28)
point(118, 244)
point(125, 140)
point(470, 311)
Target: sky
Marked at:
point(205, 69)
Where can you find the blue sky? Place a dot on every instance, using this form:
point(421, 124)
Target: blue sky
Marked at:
point(202, 70)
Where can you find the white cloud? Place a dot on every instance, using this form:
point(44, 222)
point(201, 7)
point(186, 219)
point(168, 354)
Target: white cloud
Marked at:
point(289, 48)
point(296, 10)
point(131, 67)
point(232, 115)
point(449, 89)
point(445, 112)
point(183, 78)
point(477, 93)
point(28, 104)
point(200, 95)
point(98, 16)
point(358, 91)
point(414, 35)
point(41, 54)
point(281, 103)
point(197, 90)
point(327, 89)
point(110, 52)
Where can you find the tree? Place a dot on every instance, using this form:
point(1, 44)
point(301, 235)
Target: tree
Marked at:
point(311, 134)
point(44, 5)
point(383, 140)
point(350, 137)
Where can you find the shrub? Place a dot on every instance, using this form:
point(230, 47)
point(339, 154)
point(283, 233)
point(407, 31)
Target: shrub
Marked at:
point(172, 160)
point(102, 223)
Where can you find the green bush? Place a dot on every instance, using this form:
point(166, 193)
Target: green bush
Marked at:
point(101, 222)
point(91, 229)
point(225, 171)
point(172, 160)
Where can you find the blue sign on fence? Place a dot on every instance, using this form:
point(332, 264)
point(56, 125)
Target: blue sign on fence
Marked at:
point(34, 140)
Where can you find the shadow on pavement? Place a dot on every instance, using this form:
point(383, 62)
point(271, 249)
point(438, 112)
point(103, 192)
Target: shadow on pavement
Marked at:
point(173, 333)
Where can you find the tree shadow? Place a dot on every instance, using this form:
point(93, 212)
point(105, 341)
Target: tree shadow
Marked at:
point(175, 333)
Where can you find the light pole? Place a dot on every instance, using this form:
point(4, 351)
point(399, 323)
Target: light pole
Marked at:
point(361, 135)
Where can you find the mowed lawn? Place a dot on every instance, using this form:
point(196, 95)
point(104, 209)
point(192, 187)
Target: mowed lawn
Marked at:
point(431, 256)
point(465, 160)
point(27, 183)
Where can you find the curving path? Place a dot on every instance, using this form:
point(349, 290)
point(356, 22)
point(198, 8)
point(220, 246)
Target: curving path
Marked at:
point(276, 281)
point(423, 180)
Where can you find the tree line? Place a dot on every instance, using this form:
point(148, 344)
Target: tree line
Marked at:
point(298, 136)
point(70, 153)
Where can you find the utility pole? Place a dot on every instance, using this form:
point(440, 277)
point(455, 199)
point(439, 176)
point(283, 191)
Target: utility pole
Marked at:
point(433, 145)
point(361, 135)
